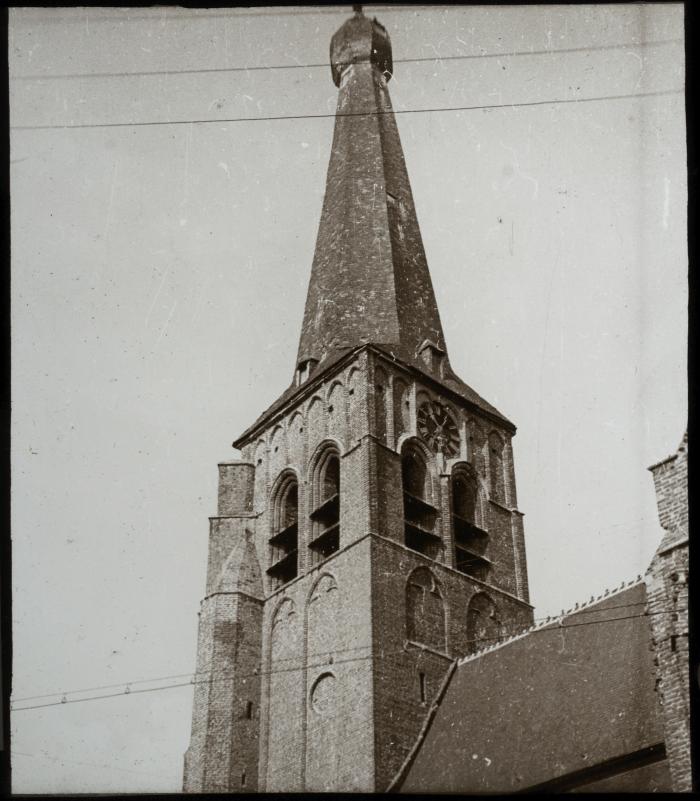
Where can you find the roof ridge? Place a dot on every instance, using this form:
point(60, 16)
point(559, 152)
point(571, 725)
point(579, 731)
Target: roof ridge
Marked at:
point(550, 620)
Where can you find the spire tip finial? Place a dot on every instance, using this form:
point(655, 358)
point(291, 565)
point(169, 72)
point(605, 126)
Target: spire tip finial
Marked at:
point(357, 9)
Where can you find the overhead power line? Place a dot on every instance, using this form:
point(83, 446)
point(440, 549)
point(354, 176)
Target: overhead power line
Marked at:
point(580, 610)
point(156, 678)
point(346, 114)
point(168, 14)
point(327, 663)
point(326, 65)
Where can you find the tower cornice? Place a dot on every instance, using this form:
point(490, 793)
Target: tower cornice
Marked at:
point(461, 393)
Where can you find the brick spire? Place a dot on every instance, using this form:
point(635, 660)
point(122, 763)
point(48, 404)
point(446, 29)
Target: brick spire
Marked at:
point(369, 279)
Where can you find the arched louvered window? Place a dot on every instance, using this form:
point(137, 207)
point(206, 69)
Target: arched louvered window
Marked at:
point(285, 531)
point(325, 507)
point(464, 496)
point(420, 513)
point(470, 539)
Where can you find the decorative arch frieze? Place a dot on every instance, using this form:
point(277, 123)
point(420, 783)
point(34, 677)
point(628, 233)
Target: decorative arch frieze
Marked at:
point(315, 421)
point(496, 467)
point(402, 409)
point(381, 406)
point(356, 427)
point(296, 438)
point(335, 409)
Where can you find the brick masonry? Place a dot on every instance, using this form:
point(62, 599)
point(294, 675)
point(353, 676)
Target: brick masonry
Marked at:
point(322, 679)
point(340, 658)
point(570, 701)
point(351, 608)
point(667, 588)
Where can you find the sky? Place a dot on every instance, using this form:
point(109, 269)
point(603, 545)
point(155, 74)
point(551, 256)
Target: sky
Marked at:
point(159, 274)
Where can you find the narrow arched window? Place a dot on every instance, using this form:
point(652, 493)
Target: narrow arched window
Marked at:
point(470, 540)
point(420, 514)
point(483, 623)
point(285, 532)
point(325, 513)
point(496, 467)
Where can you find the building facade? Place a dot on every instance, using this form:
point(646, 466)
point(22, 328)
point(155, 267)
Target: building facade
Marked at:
point(594, 700)
point(366, 622)
point(667, 591)
point(370, 534)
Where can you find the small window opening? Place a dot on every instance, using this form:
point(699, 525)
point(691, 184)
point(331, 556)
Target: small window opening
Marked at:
point(433, 357)
point(674, 642)
point(243, 779)
point(249, 710)
point(351, 392)
point(305, 369)
point(330, 408)
point(421, 687)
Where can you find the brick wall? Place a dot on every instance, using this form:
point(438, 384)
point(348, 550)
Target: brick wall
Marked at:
point(336, 674)
point(344, 724)
point(317, 703)
point(373, 413)
point(667, 590)
point(671, 486)
point(223, 752)
point(570, 701)
point(399, 711)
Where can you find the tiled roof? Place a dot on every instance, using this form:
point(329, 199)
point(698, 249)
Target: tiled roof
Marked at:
point(565, 695)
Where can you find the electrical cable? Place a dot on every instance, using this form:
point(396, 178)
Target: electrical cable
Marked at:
point(324, 663)
point(326, 65)
point(661, 93)
point(133, 682)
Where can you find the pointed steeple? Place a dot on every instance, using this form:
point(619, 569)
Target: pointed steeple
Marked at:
point(369, 280)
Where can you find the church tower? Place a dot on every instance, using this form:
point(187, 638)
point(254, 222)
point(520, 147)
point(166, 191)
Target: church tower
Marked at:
point(369, 535)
